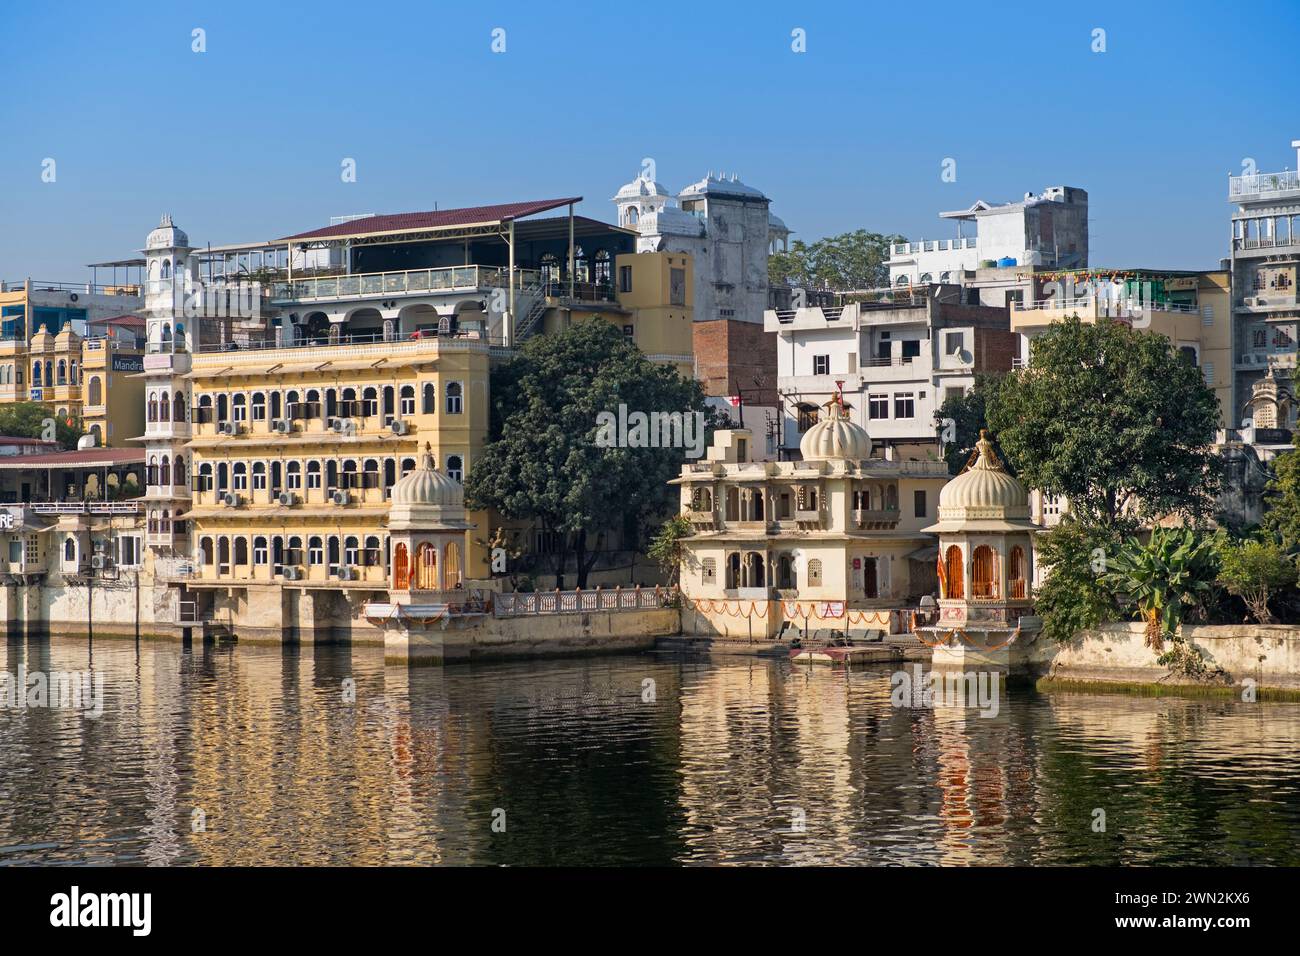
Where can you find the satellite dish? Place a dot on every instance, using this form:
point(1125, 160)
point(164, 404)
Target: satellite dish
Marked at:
point(1248, 423)
point(87, 441)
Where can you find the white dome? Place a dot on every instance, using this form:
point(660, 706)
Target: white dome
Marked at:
point(776, 224)
point(835, 437)
point(984, 490)
point(640, 188)
point(720, 186)
point(425, 485)
point(167, 236)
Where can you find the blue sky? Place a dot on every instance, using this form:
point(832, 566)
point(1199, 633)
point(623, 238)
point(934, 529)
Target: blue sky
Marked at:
point(245, 141)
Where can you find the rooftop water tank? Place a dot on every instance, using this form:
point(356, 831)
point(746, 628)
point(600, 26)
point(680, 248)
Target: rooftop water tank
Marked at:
point(1006, 262)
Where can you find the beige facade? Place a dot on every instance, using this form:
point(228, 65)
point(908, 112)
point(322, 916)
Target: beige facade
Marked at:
point(783, 539)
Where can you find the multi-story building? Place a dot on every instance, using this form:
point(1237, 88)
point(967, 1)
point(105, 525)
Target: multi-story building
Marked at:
point(1012, 242)
point(895, 358)
point(50, 332)
point(1263, 265)
point(835, 537)
point(727, 228)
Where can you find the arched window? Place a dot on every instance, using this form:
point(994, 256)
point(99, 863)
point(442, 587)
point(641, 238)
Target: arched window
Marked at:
point(206, 552)
point(165, 471)
point(454, 404)
point(36, 375)
point(351, 551)
point(70, 550)
point(239, 408)
point(815, 573)
point(807, 416)
point(429, 404)
point(179, 471)
point(259, 476)
point(164, 408)
point(313, 474)
point(407, 405)
point(259, 406)
point(951, 578)
point(178, 408)
point(1017, 575)
point(426, 567)
point(550, 267)
point(455, 468)
point(604, 267)
point(63, 372)
point(983, 574)
point(293, 475)
point(153, 405)
point(239, 475)
point(451, 566)
point(151, 471)
point(401, 569)
point(369, 402)
point(259, 551)
point(315, 550)
point(241, 550)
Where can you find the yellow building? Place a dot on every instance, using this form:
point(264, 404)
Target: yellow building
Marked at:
point(651, 304)
point(294, 453)
point(48, 337)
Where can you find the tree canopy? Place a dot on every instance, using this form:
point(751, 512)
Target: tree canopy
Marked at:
point(543, 461)
point(29, 420)
point(851, 260)
point(1113, 418)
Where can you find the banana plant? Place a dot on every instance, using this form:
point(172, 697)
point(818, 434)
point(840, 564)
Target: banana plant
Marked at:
point(1163, 578)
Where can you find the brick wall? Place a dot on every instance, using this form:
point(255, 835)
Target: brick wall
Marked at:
point(730, 355)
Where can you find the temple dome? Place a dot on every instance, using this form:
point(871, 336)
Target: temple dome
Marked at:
point(167, 236)
point(984, 489)
point(641, 188)
point(835, 437)
point(425, 485)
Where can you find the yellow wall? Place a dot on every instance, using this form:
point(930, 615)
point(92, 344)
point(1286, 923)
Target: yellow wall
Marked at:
point(413, 364)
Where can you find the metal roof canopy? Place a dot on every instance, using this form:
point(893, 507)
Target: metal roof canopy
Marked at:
point(444, 223)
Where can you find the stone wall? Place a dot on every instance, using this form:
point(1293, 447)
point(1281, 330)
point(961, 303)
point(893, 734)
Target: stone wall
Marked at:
point(1270, 655)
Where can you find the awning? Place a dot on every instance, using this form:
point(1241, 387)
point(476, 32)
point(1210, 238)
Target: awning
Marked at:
point(928, 553)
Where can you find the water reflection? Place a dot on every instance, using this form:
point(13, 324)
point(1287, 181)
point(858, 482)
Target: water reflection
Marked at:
point(733, 761)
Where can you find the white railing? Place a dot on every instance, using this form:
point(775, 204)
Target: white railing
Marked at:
point(449, 279)
point(1261, 184)
point(86, 507)
point(517, 604)
point(933, 245)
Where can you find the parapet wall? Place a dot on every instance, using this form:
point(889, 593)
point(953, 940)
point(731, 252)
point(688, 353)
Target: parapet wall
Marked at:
point(1266, 654)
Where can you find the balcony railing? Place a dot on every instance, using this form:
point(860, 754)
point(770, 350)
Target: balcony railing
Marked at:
point(577, 602)
point(86, 507)
point(449, 279)
point(1263, 184)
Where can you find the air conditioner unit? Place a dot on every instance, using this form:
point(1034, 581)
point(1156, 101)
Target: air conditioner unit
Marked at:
point(286, 498)
point(292, 574)
point(341, 498)
point(226, 428)
point(283, 426)
point(400, 427)
point(347, 574)
point(340, 424)
point(98, 561)
point(230, 499)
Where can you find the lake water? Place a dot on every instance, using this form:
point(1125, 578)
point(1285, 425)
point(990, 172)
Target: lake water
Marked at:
point(254, 755)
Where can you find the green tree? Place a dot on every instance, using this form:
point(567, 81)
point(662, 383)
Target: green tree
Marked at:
point(1114, 418)
point(542, 461)
point(1075, 596)
point(968, 413)
point(1282, 498)
point(32, 420)
point(1162, 579)
point(666, 547)
point(1255, 569)
point(850, 260)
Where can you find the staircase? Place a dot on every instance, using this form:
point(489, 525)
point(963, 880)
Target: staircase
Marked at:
point(537, 295)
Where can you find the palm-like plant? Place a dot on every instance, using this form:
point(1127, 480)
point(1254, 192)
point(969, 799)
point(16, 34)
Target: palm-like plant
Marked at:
point(1164, 577)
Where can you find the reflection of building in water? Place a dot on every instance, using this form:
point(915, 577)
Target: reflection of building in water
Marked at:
point(785, 741)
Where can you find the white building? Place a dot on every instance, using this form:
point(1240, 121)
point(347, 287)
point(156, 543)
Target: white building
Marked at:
point(996, 244)
point(895, 360)
point(724, 224)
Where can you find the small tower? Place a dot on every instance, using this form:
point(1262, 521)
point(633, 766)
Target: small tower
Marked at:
point(641, 197)
point(984, 563)
point(426, 524)
point(171, 272)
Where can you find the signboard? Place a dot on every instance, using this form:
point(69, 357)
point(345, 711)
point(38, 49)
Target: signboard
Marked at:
point(128, 363)
point(36, 395)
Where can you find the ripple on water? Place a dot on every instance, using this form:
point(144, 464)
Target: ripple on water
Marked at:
point(732, 762)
